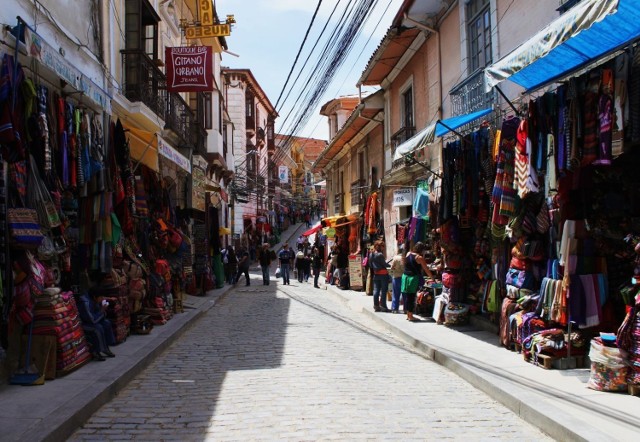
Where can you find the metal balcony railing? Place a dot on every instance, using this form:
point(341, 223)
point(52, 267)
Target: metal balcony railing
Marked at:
point(338, 203)
point(357, 193)
point(145, 82)
point(470, 96)
point(402, 135)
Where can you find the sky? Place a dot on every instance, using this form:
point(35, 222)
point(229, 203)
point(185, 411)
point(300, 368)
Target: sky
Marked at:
point(267, 36)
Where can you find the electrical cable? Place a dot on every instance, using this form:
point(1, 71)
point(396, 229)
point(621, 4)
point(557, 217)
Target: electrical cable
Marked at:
point(295, 61)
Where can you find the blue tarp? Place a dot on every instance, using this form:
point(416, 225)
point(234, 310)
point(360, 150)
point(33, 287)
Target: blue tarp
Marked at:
point(460, 120)
point(589, 31)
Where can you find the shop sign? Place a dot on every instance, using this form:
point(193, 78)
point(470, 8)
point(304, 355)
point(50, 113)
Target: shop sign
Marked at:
point(403, 197)
point(173, 155)
point(355, 272)
point(218, 30)
point(189, 69)
point(51, 58)
point(283, 174)
point(198, 183)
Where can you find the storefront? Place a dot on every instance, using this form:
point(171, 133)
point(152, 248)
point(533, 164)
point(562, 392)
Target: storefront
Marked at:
point(535, 224)
point(89, 207)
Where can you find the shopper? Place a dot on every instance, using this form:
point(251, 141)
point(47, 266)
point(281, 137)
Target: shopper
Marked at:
point(397, 269)
point(414, 265)
point(316, 264)
point(379, 266)
point(285, 257)
point(264, 257)
point(243, 266)
point(300, 265)
point(230, 262)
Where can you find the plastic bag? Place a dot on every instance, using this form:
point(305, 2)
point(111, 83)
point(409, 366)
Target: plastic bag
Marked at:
point(278, 272)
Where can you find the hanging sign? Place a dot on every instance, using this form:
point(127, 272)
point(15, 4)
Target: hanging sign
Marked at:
point(283, 174)
point(403, 197)
point(198, 181)
point(189, 69)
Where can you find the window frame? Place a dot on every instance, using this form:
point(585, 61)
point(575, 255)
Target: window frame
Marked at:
point(479, 41)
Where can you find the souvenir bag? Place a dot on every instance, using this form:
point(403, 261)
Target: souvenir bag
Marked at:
point(24, 228)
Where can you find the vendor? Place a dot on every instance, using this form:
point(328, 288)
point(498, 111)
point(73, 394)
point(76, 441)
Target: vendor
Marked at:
point(98, 329)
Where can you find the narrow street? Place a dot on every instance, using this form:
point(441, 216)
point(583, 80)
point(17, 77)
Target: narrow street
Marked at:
point(294, 363)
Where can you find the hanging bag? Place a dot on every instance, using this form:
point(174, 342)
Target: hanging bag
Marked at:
point(40, 198)
point(24, 228)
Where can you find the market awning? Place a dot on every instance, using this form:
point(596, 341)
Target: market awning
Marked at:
point(143, 147)
point(224, 231)
point(589, 31)
point(313, 230)
point(438, 129)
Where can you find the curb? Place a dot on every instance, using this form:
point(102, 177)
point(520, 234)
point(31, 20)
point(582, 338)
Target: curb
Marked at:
point(552, 420)
point(79, 408)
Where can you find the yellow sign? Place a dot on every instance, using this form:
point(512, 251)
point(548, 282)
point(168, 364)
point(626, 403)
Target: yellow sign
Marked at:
point(219, 30)
point(206, 12)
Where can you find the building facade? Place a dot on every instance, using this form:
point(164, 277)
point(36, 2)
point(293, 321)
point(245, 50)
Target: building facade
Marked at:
point(253, 146)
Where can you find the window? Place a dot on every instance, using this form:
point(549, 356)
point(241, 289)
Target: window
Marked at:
point(361, 169)
point(407, 108)
point(479, 33)
point(249, 105)
point(207, 106)
point(141, 27)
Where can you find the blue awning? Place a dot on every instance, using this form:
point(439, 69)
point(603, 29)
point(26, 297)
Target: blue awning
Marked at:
point(445, 126)
point(587, 32)
point(428, 134)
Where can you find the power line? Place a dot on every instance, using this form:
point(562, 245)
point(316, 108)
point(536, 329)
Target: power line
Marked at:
point(299, 51)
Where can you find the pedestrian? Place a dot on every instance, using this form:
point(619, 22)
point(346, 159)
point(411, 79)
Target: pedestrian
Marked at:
point(414, 265)
point(230, 262)
point(379, 266)
point(397, 269)
point(264, 257)
point(243, 266)
point(300, 264)
point(316, 264)
point(306, 264)
point(285, 257)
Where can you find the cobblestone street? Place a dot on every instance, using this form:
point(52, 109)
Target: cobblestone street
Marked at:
point(294, 363)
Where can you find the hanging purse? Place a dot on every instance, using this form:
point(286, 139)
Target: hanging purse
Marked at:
point(40, 198)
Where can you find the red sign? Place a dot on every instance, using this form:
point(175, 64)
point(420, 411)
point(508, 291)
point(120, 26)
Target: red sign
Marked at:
point(189, 69)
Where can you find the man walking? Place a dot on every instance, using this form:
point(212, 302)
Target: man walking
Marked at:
point(243, 267)
point(285, 256)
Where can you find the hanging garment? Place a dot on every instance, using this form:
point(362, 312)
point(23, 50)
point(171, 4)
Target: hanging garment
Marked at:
point(590, 141)
point(605, 117)
point(551, 180)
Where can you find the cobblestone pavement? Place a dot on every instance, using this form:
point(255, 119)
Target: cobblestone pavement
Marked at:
point(294, 363)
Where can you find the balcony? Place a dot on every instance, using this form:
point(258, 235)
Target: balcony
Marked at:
point(402, 135)
point(469, 95)
point(145, 82)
